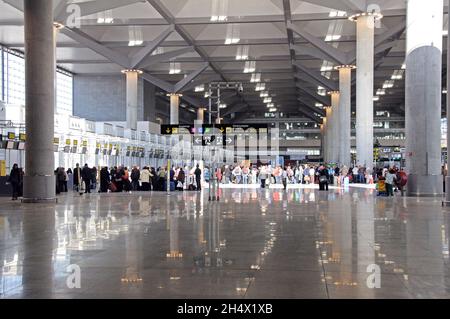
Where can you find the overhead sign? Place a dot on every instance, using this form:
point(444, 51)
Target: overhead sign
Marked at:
point(224, 129)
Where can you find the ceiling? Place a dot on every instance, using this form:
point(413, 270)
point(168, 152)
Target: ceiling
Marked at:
point(291, 42)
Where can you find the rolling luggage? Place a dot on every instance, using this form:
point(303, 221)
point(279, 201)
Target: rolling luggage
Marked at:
point(112, 187)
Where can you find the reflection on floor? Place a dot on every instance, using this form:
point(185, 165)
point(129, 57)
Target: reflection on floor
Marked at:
point(251, 244)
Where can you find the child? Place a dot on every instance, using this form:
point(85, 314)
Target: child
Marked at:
point(381, 186)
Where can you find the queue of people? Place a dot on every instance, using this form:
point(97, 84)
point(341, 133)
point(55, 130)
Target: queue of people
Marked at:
point(121, 179)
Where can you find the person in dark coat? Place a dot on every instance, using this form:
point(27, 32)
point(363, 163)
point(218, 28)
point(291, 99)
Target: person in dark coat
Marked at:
point(324, 178)
point(94, 178)
point(77, 178)
point(104, 180)
point(198, 178)
point(86, 175)
point(14, 180)
point(60, 178)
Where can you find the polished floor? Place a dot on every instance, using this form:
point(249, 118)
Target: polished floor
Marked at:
point(251, 244)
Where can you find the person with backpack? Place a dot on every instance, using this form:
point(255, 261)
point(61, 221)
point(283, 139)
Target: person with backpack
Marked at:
point(324, 178)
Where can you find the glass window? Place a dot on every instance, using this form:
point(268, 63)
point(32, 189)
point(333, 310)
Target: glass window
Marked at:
point(14, 78)
point(12, 72)
point(64, 93)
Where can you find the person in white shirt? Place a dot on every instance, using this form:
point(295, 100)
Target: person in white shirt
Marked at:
point(312, 173)
point(237, 172)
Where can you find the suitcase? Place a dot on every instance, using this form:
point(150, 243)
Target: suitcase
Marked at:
point(112, 187)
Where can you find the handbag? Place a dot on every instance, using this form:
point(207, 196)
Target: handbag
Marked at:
point(323, 179)
point(180, 185)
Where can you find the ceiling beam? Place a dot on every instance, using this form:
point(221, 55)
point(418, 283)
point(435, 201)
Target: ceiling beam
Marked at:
point(140, 56)
point(191, 77)
point(158, 58)
point(87, 41)
point(331, 85)
point(316, 97)
point(333, 54)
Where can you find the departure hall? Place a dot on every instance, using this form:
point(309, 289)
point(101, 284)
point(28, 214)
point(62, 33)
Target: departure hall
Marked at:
point(224, 149)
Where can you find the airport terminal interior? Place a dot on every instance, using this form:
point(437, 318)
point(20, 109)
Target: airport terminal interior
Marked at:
point(224, 149)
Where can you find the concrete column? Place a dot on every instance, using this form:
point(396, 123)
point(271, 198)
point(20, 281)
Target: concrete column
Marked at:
point(365, 85)
point(132, 97)
point(201, 115)
point(39, 181)
point(149, 102)
point(446, 201)
point(345, 86)
point(335, 126)
point(174, 109)
point(322, 140)
point(423, 94)
point(328, 130)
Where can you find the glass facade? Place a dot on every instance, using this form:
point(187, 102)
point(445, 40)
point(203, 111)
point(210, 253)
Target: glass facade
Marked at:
point(12, 79)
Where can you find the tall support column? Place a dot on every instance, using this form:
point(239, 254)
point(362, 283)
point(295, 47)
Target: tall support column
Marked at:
point(446, 201)
point(335, 126)
point(365, 50)
point(423, 94)
point(322, 141)
point(328, 130)
point(200, 116)
point(344, 139)
point(174, 108)
point(39, 181)
point(132, 97)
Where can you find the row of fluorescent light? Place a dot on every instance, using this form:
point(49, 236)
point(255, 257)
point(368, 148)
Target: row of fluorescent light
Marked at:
point(219, 10)
point(105, 17)
point(389, 84)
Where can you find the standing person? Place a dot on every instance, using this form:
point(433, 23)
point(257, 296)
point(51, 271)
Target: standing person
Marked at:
point(312, 175)
point(104, 180)
point(14, 180)
point(390, 179)
point(207, 174)
point(180, 179)
point(77, 178)
point(245, 175)
point(86, 175)
point(306, 175)
point(263, 176)
point(198, 178)
point(355, 174)
point(66, 180)
point(153, 178)
point(284, 177)
point(237, 172)
point(324, 177)
point(227, 175)
point(135, 176)
point(144, 177)
point(61, 178)
point(94, 178)
point(127, 187)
